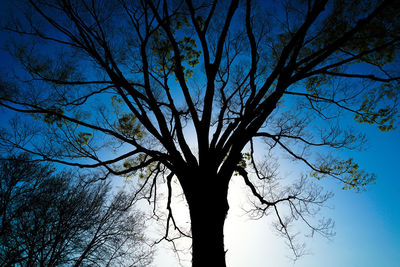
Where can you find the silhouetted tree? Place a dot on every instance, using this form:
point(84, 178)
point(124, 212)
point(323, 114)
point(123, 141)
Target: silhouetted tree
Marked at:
point(184, 89)
point(53, 219)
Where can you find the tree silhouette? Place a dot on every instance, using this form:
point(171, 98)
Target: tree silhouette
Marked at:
point(50, 219)
point(185, 89)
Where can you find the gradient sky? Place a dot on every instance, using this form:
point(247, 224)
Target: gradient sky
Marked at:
point(366, 224)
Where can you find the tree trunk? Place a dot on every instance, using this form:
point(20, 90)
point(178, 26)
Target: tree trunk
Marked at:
point(208, 210)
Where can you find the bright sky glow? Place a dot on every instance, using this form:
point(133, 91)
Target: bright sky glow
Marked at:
point(366, 223)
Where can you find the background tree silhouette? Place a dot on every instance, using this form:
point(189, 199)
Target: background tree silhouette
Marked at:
point(54, 219)
point(164, 89)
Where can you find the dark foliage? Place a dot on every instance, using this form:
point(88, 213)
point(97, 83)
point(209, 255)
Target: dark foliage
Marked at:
point(49, 218)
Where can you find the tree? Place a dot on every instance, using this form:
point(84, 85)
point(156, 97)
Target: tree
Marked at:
point(53, 219)
point(184, 89)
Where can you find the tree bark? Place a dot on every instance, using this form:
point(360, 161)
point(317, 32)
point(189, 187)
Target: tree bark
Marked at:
point(208, 209)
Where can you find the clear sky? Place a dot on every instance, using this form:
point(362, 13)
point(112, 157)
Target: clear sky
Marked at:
point(366, 224)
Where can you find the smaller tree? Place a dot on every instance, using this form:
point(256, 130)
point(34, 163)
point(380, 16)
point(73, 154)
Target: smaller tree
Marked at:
point(51, 219)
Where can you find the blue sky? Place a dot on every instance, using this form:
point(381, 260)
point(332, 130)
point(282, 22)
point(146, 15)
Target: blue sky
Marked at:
point(366, 223)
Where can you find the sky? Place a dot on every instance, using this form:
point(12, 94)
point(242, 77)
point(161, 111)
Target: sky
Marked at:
point(366, 224)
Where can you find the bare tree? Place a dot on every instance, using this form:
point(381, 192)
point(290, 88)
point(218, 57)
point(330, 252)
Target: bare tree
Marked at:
point(186, 89)
point(50, 219)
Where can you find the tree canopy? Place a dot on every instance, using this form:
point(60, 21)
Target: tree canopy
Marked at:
point(197, 89)
point(56, 219)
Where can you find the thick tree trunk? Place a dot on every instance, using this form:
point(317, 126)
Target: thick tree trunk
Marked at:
point(208, 210)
